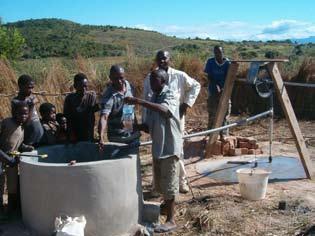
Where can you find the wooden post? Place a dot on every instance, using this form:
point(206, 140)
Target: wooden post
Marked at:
point(223, 105)
point(291, 118)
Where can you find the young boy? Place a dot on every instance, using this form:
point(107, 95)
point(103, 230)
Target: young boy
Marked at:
point(11, 139)
point(63, 135)
point(163, 122)
point(33, 127)
point(79, 108)
point(49, 123)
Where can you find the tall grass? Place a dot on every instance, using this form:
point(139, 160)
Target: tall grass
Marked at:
point(55, 76)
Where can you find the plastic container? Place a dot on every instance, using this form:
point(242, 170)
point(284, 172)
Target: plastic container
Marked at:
point(128, 118)
point(253, 182)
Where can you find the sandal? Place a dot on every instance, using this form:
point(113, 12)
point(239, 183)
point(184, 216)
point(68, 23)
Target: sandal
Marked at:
point(164, 228)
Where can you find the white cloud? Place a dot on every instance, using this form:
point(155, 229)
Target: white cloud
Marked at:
point(143, 26)
point(237, 30)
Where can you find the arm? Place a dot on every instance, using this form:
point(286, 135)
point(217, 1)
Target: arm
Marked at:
point(142, 127)
point(192, 89)
point(66, 108)
point(149, 105)
point(26, 148)
point(94, 103)
point(11, 161)
point(102, 124)
point(147, 94)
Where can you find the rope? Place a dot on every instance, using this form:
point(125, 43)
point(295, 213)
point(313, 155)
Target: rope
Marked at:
point(40, 93)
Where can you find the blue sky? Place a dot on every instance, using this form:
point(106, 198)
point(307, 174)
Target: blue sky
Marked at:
point(227, 20)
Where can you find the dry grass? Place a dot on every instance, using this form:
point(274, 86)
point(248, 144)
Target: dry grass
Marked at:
point(306, 73)
point(55, 77)
point(226, 213)
point(8, 85)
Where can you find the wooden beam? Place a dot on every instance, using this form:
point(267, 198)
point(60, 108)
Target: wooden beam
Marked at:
point(223, 105)
point(291, 119)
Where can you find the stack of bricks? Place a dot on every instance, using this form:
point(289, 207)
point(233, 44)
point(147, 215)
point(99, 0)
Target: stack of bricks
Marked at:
point(236, 146)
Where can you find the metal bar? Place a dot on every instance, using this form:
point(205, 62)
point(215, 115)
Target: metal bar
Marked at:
point(206, 132)
point(261, 60)
point(271, 127)
point(306, 85)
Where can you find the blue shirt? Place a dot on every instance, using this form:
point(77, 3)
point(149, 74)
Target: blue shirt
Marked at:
point(216, 74)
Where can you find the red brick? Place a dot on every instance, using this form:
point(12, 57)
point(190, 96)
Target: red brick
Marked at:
point(225, 148)
point(244, 151)
point(232, 152)
point(258, 151)
point(251, 151)
point(252, 141)
point(216, 148)
point(242, 139)
point(232, 140)
point(238, 152)
point(243, 145)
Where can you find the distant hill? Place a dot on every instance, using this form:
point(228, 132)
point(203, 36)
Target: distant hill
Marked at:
point(55, 37)
point(305, 40)
point(63, 38)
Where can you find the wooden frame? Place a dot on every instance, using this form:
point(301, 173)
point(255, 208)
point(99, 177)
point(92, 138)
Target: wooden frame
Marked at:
point(285, 104)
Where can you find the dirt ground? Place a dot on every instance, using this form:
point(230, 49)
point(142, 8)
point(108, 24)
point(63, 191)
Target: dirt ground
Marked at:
point(218, 208)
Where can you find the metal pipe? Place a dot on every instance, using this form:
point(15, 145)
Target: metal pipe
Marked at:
point(271, 127)
point(210, 131)
point(306, 85)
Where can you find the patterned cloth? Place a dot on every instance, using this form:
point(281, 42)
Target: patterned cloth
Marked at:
point(166, 173)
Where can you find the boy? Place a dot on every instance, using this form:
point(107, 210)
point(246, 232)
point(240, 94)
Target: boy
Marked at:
point(111, 113)
point(11, 139)
point(63, 135)
point(49, 123)
point(79, 109)
point(33, 127)
point(163, 123)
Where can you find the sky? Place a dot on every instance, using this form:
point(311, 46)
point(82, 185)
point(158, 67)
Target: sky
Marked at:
point(224, 20)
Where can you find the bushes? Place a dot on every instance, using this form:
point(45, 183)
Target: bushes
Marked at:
point(11, 43)
point(272, 54)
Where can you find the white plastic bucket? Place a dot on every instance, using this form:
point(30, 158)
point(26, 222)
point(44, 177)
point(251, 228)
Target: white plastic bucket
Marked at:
point(253, 183)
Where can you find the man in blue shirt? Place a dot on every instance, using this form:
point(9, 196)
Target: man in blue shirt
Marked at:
point(216, 69)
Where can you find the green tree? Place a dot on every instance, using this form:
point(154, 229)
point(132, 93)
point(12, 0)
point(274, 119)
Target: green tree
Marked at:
point(11, 43)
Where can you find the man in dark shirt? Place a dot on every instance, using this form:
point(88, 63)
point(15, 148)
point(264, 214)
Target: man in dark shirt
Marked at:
point(79, 109)
point(216, 69)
